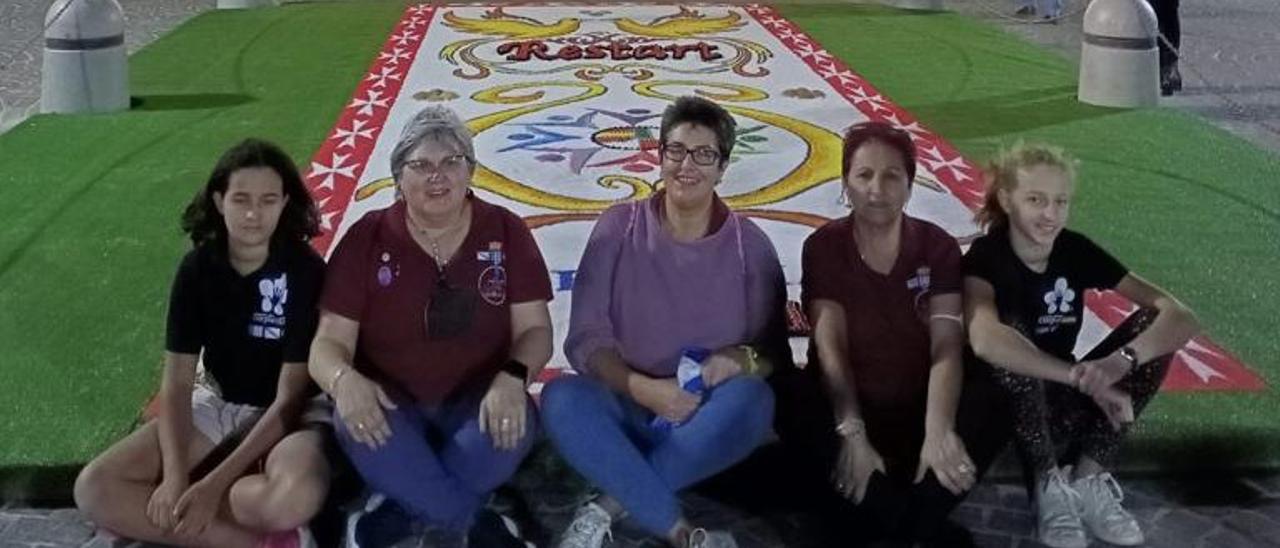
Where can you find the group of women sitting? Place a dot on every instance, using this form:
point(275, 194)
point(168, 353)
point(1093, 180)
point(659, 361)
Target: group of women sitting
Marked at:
point(413, 348)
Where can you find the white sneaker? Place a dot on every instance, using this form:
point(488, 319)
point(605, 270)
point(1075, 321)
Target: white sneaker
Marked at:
point(702, 538)
point(589, 528)
point(1058, 524)
point(1100, 496)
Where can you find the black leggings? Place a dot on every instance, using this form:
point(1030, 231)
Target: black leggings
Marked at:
point(1170, 27)
point(1055, 423)
point(894, 507)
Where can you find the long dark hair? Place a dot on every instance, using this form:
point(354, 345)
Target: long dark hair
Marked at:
point(299, 221)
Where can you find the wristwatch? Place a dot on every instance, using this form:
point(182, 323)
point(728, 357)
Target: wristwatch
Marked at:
point(516, 369)
point(1130, 355)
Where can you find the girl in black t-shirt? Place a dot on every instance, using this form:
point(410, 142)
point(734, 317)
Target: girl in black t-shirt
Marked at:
point(244, 303)
point(1025, 283)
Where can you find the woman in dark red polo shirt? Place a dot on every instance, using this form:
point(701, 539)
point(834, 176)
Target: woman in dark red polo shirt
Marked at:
point(433, 314)
point(875, 410)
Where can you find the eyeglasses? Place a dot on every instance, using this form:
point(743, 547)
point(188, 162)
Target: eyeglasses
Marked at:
point(703, 156)
point(449, 164)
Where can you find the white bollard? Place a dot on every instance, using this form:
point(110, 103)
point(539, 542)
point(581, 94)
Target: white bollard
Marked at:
point(85, 67)
point(1119, 61)
point(244, 4)
point(915, 4)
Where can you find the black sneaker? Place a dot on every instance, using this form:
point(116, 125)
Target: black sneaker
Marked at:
point(380, 523)
point(1170, 80)
point(494, 530)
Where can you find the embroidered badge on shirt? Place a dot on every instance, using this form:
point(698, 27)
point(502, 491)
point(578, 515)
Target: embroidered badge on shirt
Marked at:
point(385, 272)
point(268, 321)
point(919, 285)
point(492, 284)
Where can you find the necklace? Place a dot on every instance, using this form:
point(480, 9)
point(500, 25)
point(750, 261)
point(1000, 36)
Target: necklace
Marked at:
point(441, 262)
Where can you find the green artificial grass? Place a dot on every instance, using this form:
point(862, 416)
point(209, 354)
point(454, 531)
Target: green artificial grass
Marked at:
point(90, 205)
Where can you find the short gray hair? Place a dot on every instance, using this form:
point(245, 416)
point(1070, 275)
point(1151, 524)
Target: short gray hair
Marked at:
point(432, 123)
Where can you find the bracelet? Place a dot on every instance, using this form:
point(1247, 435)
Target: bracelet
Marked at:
point(333, 383)
point(851, 428)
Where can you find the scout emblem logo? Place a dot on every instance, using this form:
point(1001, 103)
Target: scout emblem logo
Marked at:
point(492, 284)
point(268, 321)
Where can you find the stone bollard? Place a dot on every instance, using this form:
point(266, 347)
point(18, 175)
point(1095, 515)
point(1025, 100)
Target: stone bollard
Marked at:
point(244, 4)
point(1119, 61)
point(85, 67)
point(915, 4)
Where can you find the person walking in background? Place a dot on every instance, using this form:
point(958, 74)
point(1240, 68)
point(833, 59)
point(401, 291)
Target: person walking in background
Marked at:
point(1170, 42)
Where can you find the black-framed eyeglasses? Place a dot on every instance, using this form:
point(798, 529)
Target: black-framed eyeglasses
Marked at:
point(703, 156)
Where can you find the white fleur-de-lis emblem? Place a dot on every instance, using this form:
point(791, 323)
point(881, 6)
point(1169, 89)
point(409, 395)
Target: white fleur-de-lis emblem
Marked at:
point(1060, 297)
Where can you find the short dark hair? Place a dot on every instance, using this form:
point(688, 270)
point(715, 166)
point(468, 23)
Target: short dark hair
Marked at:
point(897, 139)
point(299, 221)
point(691, 109)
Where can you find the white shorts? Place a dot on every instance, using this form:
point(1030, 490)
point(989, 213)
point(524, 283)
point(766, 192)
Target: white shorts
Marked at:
point(216, 419)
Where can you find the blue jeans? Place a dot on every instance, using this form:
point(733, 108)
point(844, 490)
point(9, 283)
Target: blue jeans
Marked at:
point(437, 465)
point(607, 438)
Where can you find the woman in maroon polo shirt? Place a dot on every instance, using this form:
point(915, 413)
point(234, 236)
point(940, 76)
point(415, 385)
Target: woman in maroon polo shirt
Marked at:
point(875, 411)
point(433, 313)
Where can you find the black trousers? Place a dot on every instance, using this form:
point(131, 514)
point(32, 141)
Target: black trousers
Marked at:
point(894, 507)
point(1171, 28)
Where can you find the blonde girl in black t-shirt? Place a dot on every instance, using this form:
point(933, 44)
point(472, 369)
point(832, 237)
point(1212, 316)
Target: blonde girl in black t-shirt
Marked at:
point(1024, 290)
point(243, 302)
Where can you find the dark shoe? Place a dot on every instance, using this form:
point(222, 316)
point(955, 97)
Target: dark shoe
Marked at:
point(1170, 81)
point(1025, 11)
point(380, 523)
point(493, 530)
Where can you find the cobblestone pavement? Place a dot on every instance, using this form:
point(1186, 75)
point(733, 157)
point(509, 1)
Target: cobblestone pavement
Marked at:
point(1190, 512)
point(22, 42)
